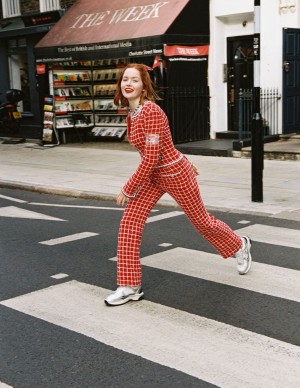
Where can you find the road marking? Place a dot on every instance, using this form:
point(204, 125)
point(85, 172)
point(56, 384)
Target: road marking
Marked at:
point(15, 212)
point(165, 245)
point(281, 282)
point(215, 352)
point(59, 276)
point(71, 237)
point(12, 199)
point(81, 206)
point(2, 385)
point(212, 267)
point(272, 235)
point(76, 206)
point(164, 216)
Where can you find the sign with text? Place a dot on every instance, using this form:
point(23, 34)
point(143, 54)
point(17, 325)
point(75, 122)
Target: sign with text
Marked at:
point(89, 22)
point(186, 51)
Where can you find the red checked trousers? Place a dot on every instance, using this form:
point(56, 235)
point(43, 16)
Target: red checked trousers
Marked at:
point(180, 182)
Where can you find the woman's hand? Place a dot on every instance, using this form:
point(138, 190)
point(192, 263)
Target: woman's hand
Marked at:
point(195, 169)
point(121, 199)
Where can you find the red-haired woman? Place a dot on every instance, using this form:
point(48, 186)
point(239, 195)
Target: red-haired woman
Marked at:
point(162, 169)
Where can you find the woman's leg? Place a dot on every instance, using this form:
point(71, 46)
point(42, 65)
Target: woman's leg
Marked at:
point(130, 234)
point(185, 190)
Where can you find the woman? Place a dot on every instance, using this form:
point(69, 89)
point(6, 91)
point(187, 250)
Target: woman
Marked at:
point(162, 169)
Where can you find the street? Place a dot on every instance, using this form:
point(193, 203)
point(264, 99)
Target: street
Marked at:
point(200, 324)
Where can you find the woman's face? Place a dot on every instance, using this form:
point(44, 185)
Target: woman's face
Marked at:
point(132, 85)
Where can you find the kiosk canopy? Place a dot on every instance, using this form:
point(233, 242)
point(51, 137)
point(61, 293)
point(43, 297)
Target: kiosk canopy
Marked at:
point(112, 27)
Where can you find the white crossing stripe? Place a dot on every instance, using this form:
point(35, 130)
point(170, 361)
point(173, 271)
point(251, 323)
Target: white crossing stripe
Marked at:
point(267, 279)
point(15, 212)
point(13, 200)
point(272, 235)
point(215, 352)
point(2, 385)
point(71, 237)
point(82, 206)
point(164, 216)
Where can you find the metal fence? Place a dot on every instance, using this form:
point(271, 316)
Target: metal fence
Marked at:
point(187, 108)
point(269, 98)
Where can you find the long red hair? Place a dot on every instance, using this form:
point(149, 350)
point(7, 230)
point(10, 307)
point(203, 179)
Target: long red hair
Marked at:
point(148, 87)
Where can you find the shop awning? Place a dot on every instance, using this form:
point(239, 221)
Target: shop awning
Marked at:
point(110, 28)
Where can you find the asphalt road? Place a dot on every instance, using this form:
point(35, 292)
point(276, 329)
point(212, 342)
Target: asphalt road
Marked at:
point(57, 258)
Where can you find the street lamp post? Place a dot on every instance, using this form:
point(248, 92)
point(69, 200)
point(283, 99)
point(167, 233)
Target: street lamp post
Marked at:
point(257, 145)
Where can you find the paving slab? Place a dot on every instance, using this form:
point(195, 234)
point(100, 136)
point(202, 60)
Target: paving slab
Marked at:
point(100, 172)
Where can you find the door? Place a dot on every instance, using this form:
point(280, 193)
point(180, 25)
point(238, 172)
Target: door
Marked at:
point(291, 81)
point(239, 74)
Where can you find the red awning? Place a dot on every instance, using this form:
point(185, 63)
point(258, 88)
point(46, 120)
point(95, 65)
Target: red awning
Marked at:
point(90, 22)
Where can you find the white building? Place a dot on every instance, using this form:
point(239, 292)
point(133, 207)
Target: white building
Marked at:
point(231, 61)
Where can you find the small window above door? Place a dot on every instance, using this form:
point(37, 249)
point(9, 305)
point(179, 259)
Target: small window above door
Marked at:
point(11, 8)
point(49, 5)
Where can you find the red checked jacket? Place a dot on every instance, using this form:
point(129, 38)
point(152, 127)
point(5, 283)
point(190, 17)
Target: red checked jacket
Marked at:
point(149, 132)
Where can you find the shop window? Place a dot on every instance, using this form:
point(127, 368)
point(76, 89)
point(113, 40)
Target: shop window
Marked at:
point(18, 70)
point(49, 5)
point(11, 8)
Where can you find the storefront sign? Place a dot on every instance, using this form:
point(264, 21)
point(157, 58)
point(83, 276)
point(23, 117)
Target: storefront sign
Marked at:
point(110, 50)
point(90, 22)
point(41, 68)
point(124, 15)
point(41, 18)
point(187, 51)
point(141, 53)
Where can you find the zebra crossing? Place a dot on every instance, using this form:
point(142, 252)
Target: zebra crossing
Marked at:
point(209, 349)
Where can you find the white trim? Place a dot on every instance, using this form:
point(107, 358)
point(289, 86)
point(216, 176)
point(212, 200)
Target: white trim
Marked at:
point(11, 8)
point(49, 5)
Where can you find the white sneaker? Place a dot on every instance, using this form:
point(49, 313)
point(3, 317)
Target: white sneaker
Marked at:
point(124, 294)
point(243, 256)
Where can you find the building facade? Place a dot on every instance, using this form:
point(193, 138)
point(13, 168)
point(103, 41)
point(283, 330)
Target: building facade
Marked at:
point(170, 36)
point(22, 24)
point(231, 59)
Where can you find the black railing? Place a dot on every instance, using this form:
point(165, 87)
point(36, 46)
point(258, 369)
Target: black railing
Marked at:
point(187, 108)
point(269, 98)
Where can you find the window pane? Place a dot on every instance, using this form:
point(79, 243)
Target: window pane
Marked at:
point(11, 8)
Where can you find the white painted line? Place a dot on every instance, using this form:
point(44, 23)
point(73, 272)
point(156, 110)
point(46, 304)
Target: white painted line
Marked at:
point(13, 200)
point(81, 206)
point(164, 216)
point(215, 352)
point(272, 235)
point(71, 237)
point(2, 385)
point(165, 245)
point(244, 222)
point(266, 279)
point(59, 276)
point(15, 212)
point(76, 206)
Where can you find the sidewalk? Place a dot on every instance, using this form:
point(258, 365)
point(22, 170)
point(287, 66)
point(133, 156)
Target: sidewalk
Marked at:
point(99, 171)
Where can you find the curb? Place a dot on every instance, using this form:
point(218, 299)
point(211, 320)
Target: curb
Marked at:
point(112, 197)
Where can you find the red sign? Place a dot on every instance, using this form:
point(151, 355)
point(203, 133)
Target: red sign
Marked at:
point(41, 69)
point(186, 51)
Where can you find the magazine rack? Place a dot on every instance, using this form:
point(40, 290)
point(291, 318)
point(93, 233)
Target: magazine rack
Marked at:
point(83, 98)
point(80, 123)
